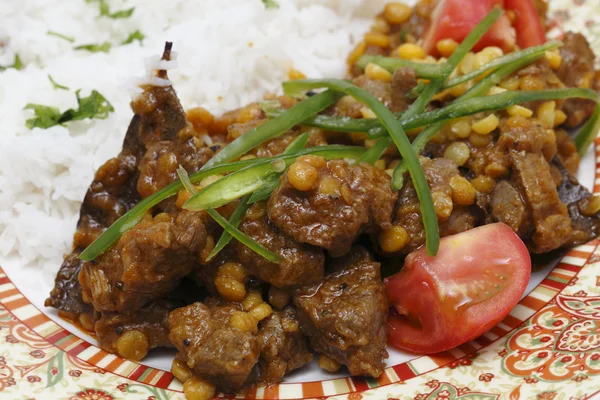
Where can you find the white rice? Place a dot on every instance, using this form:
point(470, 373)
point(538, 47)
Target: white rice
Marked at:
point(230, 53)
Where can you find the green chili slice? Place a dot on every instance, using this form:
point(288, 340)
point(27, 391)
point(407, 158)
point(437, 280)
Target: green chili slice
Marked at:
point(423, 70)
point(245, 202)
point(249, 179)
point(226, 225)
point(272, 181)
point(243, 238)
point(234, 220)
point(503, 61)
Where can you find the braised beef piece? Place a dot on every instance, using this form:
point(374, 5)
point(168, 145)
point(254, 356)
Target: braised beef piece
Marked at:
point(346, 201)
point(508, 207)
point(345, 316)
point(214, 350)
point(404, 81)
point(585, 219)
point(567, 151)
point(577, 70)
point(150, 320)
point(66, 294)
point(146, 263)
point(158, 116)
point(283, 347)
point(301, 263)
point(439, 172)
point(158, 167)
point(551, 222)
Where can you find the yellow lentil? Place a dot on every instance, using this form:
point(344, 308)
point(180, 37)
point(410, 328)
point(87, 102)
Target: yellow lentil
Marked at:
point(358, 51)
point(393, 239)
point(545, 113)
point(483, 184)
point(463, 192)
point(461, 128)
point(302, 176)
point(278, 298)
point(446, 47)
point(367, 113)
point(197, 389)
point(554, 58)
point(397, 13)
point(261, 311)
point(377, 39)
point(243, 321)
point(519, 110)
point(380, 25)
point(328, 364)
point(458, 152)
point(252, 299)
point(375, 72)
point(229, 288)
point(294, 74)
point(133, 345)
point(234, 270)
point(409, 51)
point(180, 370)
point(442, 204)
point(486, 125)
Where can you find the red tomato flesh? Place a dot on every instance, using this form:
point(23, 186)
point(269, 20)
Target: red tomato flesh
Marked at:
point(441, 302)
point(455, 19)
point(530, 31)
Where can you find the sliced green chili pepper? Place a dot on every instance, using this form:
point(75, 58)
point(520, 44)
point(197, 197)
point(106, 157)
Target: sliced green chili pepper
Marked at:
point(272, 181)
point(249, 179)
point(245, 202)
point(423, 70)
point(226, 225)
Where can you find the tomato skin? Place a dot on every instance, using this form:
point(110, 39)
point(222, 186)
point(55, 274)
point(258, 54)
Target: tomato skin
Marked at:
point(441, 302)
point(455, 19)
point(530, 31)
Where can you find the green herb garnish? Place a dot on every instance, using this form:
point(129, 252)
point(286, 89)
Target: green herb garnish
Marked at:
point(95, 47)
point(17, 64)
point(137, 35)
point(56, 85)
point(270, 4)
point(93, 106)
point(61, 36)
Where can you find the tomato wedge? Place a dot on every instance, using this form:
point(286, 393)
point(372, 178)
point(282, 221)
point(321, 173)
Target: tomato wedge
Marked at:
point(530, 31)
point(441, 302)
point(455, 19)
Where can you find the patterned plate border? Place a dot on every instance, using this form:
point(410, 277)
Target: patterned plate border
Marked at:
point(86, 354)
